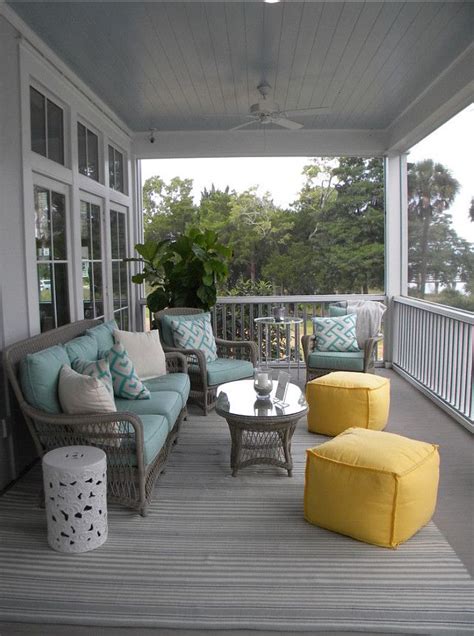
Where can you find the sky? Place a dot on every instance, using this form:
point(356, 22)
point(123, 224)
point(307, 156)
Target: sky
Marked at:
point(452, 145)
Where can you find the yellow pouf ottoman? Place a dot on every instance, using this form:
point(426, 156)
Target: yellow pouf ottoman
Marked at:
point(376, 487)
point(343, 399)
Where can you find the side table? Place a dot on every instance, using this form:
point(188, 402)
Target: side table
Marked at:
point(75, 490)
point(269, 322)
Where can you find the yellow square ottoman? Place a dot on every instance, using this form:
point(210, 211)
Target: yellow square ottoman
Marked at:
point(343, 399)
point(376, 487)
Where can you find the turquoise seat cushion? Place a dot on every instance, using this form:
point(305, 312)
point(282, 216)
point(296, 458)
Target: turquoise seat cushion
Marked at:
point(166, 329)
point(104, 335)
point(155, 432)
point(337, 310)
point(84, 347)
point(227, 369)
point(39, 377)
point(347, 361)
point(178, 382)
point(165, 403)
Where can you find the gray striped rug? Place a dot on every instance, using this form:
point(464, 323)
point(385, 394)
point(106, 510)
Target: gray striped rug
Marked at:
point(218, 552)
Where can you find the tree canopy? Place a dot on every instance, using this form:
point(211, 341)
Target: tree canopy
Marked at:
point(330, 239)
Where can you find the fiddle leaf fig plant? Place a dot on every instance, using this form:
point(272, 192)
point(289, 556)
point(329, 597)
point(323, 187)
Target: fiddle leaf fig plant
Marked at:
point(183, 272)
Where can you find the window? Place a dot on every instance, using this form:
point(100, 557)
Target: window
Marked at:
point(51, 257)
point(91, 251)
point(441, 215)
point(47, 127)
point(115, 169)
point(118, 236)
point(88, 151)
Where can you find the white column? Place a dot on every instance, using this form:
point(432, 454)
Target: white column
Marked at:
point(396, 239)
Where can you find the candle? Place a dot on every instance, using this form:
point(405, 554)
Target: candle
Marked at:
point(262, 379)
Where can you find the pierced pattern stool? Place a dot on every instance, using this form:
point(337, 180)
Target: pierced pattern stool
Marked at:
point(75, 488)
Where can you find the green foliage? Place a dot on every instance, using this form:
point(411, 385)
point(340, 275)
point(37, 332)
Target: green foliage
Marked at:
point(183, 272)
point(330, 240)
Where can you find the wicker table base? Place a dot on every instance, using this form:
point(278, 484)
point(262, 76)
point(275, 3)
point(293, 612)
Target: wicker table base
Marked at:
point(260, 430)
point(256, 442)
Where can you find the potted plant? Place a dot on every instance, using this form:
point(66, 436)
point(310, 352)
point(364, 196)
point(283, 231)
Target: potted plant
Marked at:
point(183, 272)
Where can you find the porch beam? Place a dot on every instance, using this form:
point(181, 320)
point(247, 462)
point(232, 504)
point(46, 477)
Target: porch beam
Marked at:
point(260, 143)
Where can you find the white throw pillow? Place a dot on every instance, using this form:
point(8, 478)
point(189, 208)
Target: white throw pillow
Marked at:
point(145, 351)
point(83, 394)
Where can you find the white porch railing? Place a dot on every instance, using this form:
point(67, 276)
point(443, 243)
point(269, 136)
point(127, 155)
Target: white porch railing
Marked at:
point(234, 319)
point(433, 348)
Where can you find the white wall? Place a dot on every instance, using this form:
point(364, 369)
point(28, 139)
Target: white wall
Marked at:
point(25, 61)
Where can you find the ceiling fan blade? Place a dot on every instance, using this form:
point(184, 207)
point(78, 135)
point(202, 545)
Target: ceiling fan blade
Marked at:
point(309, 111)
point(286, 123)
point(247, 123)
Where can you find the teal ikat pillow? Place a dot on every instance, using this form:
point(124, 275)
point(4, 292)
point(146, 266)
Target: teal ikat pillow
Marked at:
point(195, 334)
point(336, 334)
point(127, 384)
point(95, 369)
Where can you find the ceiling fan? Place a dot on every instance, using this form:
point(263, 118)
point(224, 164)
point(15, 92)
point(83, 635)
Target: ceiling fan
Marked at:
point(268, 112)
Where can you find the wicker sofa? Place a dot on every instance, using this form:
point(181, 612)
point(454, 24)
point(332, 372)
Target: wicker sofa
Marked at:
point(137, 440)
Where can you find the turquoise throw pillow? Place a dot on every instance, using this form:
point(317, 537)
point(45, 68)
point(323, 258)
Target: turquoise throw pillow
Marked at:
point(39, 377)
point(83, 347)
point(126, 382)
point(95, 369)
point(336, 334)
point(195, 334)
point(104, 334)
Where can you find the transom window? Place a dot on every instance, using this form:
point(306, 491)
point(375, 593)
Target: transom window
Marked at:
point(51, 257)
point(116, 180)
point(47, 127)
point(88, 152)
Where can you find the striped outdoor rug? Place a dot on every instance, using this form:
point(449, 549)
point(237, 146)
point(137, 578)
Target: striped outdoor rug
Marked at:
point(218, 552)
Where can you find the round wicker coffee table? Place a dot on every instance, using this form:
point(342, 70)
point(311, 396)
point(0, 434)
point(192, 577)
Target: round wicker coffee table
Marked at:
point(260, 430)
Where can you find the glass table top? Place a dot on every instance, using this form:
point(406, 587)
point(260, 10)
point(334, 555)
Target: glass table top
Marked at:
point(240, 398)
point(270, 320)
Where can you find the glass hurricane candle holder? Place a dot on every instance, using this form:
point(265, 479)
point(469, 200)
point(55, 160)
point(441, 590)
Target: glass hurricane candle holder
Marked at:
point(262, 383)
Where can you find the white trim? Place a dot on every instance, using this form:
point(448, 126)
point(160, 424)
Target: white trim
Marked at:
point(38, 47)
point(450, 93)
point(435, 308)
point(244, 143)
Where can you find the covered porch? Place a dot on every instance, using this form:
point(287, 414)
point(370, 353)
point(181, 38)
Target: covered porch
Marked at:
point(114, 83)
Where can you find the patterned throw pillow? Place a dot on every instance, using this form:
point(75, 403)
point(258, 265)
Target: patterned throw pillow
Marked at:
point(195, 334)
point(126, 382)
point(336, 334)
point(95, 369)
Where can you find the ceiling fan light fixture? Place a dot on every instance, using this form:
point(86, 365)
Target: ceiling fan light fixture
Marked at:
point(271, 1)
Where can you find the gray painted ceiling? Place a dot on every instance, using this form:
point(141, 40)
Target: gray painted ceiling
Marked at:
point(196, 65)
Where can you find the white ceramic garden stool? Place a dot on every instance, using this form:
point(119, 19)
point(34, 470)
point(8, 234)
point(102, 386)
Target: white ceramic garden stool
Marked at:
point(75, 490)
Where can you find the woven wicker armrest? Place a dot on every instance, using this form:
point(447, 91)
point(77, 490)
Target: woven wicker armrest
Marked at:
point(176, 362)
point(241, 349)
point(308, 342)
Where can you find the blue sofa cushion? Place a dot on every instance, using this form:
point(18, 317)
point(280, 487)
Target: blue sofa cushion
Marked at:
point(84, 347)
point(165, 403)
point(178, 382)
point(104, 335)
point(347, 361)
point(39, 377)
point(155, 432)
point(227, 369)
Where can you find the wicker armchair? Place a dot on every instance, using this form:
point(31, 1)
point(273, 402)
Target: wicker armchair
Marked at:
point(130, 480)
point(202, 392)
point(308, 343)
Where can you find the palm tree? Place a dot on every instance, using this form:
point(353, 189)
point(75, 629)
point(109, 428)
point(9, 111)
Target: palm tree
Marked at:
point(431, 190)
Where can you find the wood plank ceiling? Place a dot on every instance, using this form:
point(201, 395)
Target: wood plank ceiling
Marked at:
point(196, 65)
